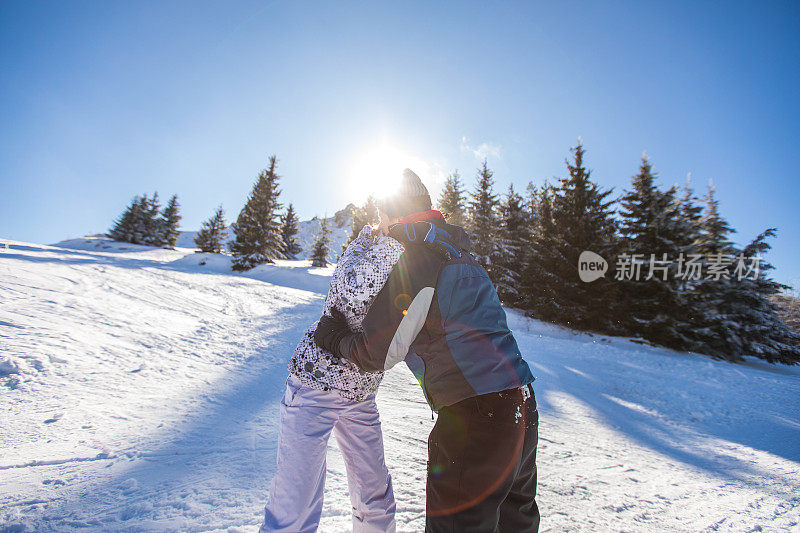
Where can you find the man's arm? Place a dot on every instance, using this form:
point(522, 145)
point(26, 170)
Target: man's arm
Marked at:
point(393, 321)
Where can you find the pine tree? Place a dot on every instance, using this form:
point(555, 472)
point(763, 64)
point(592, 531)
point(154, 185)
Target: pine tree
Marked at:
point(142, 222)
point(513, 247)
point(691, 214)
point(711, 331)
point(169, 221)
point(733, 317)
point(714, 228)
point(363, 216)
point(483, 224)
point(687, 230)
point(651, 228)
point(582, 220)
point(289, 230)
point(537, 279)
point(258, 227)
point(532, 197)
point(451, 201)
point(124, 225)
point(154, 230)
point(732, 313)
point(319, 255)
point(762, 331)
point(212, 234)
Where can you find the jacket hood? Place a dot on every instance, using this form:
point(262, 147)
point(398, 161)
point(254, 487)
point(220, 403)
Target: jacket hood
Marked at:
point(445, 238)
point(460, 238)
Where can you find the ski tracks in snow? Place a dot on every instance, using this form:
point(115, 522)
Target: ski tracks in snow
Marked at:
point(165, 390)
point(139, 390)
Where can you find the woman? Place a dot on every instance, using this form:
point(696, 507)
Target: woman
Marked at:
point(325, 394)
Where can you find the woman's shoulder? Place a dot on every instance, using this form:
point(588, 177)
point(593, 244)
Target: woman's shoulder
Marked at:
point(389, 243)
point(370, 246)
point(366, 237)
point(368, 233)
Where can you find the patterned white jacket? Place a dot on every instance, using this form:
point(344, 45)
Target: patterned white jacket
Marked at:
point(360, 274)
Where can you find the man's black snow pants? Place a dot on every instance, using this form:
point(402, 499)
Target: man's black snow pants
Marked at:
point(482, 465)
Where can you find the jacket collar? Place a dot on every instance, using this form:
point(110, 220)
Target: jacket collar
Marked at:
point(431, 214)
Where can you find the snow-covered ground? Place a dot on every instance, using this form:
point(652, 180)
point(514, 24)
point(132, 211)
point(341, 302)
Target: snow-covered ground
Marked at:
point(139, 391)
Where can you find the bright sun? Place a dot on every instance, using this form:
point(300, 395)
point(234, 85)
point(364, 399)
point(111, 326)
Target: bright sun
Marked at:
point(377, 171)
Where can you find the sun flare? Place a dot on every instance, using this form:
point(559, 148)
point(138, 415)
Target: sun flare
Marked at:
point(378, 170)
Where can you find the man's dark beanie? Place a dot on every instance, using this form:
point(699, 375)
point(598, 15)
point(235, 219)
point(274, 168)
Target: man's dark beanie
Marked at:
point(411, 197)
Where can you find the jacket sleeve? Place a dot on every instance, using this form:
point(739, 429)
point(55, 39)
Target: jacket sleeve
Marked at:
point(393, 321)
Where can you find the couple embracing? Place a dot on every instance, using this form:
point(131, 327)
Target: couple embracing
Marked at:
point(409, 290)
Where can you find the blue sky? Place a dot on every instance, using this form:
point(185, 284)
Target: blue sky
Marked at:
point(101, 101)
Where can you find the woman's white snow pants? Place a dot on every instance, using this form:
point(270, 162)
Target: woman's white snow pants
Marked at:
point(307, 418)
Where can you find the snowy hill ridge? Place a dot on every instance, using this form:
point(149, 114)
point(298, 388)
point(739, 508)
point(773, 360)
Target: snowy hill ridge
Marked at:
point(139, 390)
point(340, 226)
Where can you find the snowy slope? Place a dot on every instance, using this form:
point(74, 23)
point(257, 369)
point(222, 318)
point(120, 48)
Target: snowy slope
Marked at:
point(340, 226)
point(139, 391)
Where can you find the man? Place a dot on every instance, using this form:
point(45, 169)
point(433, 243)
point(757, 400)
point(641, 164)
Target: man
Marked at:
point(440, 313)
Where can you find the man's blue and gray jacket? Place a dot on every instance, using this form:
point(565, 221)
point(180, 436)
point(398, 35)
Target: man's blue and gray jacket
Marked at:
point(439, 311)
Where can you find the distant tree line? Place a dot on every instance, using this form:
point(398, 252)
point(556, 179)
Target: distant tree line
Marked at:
point(530, 245)
point(262, 231)
point(144, 222)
